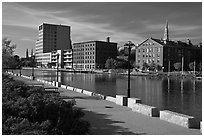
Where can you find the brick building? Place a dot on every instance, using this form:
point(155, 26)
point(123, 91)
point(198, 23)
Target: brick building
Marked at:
point(165, 52)
point(93, 54)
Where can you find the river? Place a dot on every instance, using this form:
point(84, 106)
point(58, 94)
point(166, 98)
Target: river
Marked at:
point(178, 95)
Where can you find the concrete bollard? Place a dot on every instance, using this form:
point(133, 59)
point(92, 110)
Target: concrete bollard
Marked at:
point(99, 95)
point(63, 86)
point(32, 78)
point(58, 84)
point(179, 119)
point(78, 90)
point(53, 83)
point(121, 100)
point(50, 83)
point(109, 98)
point(70, 88)
point(87, 92)
point(145, 109)
point(201, 126)
point(132, 101)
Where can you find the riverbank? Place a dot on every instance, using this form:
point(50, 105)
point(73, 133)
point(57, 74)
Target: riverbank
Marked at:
point(174, 74)
point(107, 118)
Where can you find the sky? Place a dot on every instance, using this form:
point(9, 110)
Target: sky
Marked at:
point(121, 21)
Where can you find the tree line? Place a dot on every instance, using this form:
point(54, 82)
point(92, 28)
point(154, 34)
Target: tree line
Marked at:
point(9, 60)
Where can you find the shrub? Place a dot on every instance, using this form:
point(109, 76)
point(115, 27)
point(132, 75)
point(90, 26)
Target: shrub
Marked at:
point(177, 66)
point(28, 110)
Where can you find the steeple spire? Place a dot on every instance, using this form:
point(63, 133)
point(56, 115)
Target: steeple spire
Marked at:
point(27, 53)
point(31, 53)
point(166, 32)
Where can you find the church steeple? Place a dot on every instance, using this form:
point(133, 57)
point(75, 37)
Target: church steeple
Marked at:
point(27, 53)
point(166, 32)
point(31, 53)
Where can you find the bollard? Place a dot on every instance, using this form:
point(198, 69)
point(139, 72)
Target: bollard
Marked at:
point(57, 84)
point(121, 100)
point(132, 101)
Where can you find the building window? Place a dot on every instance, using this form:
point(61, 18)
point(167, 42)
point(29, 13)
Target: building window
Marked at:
point(156, 49)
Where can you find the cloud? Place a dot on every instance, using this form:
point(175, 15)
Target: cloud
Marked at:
point(96, 21)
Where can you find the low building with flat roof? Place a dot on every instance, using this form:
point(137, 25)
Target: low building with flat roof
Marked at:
point(93, 54)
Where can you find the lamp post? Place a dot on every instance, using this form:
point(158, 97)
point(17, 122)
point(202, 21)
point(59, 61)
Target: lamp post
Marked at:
point(33, 64)
point(20, 70)
point(129, 45)
point(57, 65)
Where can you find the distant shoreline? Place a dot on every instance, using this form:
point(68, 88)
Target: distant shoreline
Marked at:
point(176, 74)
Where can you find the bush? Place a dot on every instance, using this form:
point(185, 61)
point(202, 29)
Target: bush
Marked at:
point(28, 110)
point(177, 66)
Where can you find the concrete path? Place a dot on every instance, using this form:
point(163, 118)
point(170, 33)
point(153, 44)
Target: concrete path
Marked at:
point(107, 118)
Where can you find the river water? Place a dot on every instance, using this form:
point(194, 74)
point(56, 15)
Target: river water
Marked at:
point(178, 95)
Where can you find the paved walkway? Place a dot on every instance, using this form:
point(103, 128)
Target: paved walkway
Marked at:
point(107, 118)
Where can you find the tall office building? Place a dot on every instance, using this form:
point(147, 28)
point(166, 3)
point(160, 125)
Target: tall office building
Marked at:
point(51, 37)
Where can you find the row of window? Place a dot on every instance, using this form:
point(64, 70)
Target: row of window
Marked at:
point(68, 56)
point(46, 58)
point(156, 49)
point(149, 61)
point(89, 57)
point(148, 44)
point(89, 53)
point(78, 54)
point(89, 61)
point(148, 55)
point(89, 66)
point(84, 45)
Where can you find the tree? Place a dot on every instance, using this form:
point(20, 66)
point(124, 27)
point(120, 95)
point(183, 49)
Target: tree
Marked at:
point(7, 53)
point(152, 66)
point(191, 65)
point(137, 66)
point(177, 66)
point(159, 67)
point(50, 64)
point(111, 63)
point(145, 66)
point(200, 66)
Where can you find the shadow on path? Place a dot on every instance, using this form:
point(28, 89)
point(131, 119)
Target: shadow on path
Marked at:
point(102, 125)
